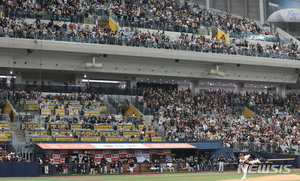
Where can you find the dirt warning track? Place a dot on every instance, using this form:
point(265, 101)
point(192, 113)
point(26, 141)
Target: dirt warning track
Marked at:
point(269, 178)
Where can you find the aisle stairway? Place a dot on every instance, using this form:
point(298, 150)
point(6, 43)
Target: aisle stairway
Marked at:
point(18, 137)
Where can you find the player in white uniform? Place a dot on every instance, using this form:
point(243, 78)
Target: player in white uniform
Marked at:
point(244, 162)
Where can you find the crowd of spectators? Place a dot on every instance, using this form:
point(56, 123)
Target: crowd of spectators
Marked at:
point(4, 94)
point(172, 15)
point(61, 125)
point(67, 10)
point(162, 14)
point(165, 13)
point(53, 126)
point(271, 104)
point(207, 115)
point(128, 37)
point(9, 157)
point(85, 127)
point(58, 99)
point(71, 104)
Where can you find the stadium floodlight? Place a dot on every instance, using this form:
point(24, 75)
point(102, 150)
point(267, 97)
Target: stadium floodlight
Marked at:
point(93, 64)
point(217, 72)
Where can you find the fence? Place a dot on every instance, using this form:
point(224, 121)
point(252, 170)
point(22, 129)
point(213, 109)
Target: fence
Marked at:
point(255, 109)
point(19, 147)
point(55, 16)
point(112, 108)
point(252, 36)
point(4, 118)
point(264, 147)
point(238, 105)
point(63, 169)
point(18, 169)
point(72, 89)
point(144, 109)
point(133, 167)
point(126, 41)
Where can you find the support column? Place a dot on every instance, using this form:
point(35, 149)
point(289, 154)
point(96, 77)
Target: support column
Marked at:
point(194, 86)
point(78, 79)
point(239, 88)
point(8, 80)
point(280, 90)
point(18, 78)
point(228, 6)
point(208, 5)
point(133, 82)
point(246, 8)
point(261, 12)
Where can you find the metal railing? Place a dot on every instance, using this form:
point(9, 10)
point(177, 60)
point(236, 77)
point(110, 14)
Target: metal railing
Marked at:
point(127, 41)
point(134, 167)
point(72, 89)
point(48, 15)
point(92, 15)
point(63, 169)
point(239, 104)
point(264, 147)
point(17, 144)
point(252, 36)
point(111, 109)
point(144, 109)
point(4, 118)
point(158, 26)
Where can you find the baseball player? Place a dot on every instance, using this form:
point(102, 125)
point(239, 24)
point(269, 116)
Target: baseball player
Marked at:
point(221, 163)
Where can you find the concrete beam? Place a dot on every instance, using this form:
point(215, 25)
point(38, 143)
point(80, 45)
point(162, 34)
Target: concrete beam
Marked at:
point(141, 52)
point(261, 12)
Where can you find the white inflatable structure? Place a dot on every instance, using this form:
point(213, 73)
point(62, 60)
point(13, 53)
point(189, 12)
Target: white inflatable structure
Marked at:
point(290, 15)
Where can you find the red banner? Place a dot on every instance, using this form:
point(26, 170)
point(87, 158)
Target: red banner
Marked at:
point(107, 155)
point(123, 151)
point(56, 151)
point(99, 151)
point(114, 155)
point(146, 151)
point(160, 151)
point(106, 151)
point(115, 159)
point(122, 155)
point(114, 151)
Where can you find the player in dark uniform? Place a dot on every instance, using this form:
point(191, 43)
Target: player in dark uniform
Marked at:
point(221, 163)
point(112, 167)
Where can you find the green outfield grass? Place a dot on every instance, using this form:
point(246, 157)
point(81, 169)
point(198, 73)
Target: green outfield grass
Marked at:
point(211, 176)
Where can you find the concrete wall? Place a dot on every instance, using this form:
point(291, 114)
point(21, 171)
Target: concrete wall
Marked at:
point(237, 7)
point(291, 28)
point(201, 2)
point(253, 9)
point(19, 169)
point(219, 4)
point(127, 62)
